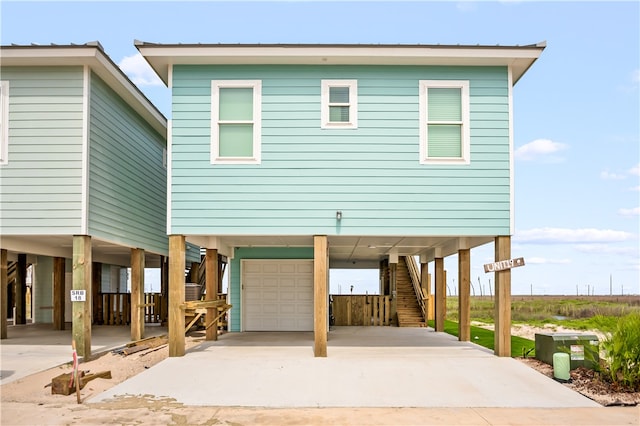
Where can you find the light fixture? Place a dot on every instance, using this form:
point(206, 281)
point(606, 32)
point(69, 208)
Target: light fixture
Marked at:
point(339, 215)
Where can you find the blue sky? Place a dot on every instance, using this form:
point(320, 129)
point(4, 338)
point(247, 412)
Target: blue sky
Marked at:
point(576, 111)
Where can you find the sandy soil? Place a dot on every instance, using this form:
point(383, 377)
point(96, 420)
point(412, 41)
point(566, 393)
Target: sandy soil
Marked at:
point(28, 401)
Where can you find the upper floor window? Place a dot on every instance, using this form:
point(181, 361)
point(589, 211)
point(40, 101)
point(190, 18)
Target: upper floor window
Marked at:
point(339, 101)
point(444, 122)
point(236, 121)
point(4, 122)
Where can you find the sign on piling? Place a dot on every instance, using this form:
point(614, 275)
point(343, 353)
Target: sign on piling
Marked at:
point(504, 264)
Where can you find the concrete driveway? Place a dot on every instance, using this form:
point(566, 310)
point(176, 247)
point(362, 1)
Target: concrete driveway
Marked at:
point(365, 367)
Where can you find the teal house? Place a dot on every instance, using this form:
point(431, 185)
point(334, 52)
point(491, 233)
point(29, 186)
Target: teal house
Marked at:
point(293, 159)
point(82, 184)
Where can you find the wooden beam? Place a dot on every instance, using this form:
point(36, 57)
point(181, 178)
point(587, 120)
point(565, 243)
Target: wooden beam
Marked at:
point(96, 299)
point(464, 295)
point(21, 290)
point(58, 293)
point(164, 289)
point(320, 295)
point(81, 323)
point(393, 285)
point(502, 315)
point(177, 263)
point(440, 294)
point(211, 268)
point(137, 294)
point(4, 278)
point(425, 284)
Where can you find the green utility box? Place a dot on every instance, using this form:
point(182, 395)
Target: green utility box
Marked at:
point(582, 348)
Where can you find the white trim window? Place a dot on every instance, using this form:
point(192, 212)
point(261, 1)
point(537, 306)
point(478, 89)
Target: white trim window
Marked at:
point(4, 122)
point(339, 104)
point(444, 122)
point(236, 124)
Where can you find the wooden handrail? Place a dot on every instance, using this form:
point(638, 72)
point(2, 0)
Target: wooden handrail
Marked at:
point(414, 275)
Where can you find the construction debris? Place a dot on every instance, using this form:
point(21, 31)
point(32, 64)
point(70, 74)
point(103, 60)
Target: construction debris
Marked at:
point(64, 384)
point(141, 345)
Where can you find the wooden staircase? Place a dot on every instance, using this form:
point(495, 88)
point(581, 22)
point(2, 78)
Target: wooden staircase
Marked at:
point(407, 308)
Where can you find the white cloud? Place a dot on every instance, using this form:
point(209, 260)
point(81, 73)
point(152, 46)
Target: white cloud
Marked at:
point(466, 6)
point(139, 71)
point(545, 261)
point(602, 249)
point(634, 188)
point(540, 148)
point(606, 175)
point(635, 170)
point(635, 211)
point(566, 235)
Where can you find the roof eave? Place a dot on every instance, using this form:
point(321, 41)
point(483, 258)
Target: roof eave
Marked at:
point(162, 56)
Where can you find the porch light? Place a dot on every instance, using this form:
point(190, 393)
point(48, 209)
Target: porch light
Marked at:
point(339, 215)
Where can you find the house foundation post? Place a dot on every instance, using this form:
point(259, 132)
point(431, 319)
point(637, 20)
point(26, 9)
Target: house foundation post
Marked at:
point(320, 294)
point(502, 316)
point(464, 296)
point(82, 274)
point(177, 263)
point(137, 294)
point(4, 278)
point(440, 294)
point(58, 293)
point(21, 290)
point(211, 285)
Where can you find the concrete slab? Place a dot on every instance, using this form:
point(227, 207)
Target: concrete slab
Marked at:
point(32, 348)
point(365, 367)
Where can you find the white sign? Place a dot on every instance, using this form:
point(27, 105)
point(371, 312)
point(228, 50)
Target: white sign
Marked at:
point(78, 295)
point(504, 264)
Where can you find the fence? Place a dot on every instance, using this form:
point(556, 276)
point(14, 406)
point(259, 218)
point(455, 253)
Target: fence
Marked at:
point(115, 308)
point(362, 310)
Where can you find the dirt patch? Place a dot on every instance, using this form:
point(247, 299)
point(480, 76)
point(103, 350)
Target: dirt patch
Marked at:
point(590, 384)
point(36, 387)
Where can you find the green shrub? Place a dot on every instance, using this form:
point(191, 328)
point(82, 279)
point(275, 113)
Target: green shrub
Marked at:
point(622, 352)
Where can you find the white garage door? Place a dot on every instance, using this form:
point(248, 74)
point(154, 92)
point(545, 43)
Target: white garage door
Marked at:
point(277, 295)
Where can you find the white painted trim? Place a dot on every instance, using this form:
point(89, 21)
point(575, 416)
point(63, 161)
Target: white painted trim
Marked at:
point(256, 85)
point(512, 188)
point(169, 172)
point(4, 119)
point(325, 122)
point(466, 122)
point(86, 93)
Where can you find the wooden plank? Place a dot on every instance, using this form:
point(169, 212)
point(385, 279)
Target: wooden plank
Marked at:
point(211, 289)
point(137, 293)
point(464, 296)
point(81, 321)
point(387, 311)
point(440, 294)
point(320, 294)
point(374, 302)
point(58, 293)
point(502, 315)
point(393, 272)
point(4, 278)
point(177, 265)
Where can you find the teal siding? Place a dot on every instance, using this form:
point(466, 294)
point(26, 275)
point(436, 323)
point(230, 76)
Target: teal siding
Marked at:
point(372, 174)
point(127, 180)
point(41, 186)
point(242, 253)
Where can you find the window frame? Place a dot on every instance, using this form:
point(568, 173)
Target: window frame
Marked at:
point(216, 85)
point(4, 122)
point(325, 122)
point(463, 85)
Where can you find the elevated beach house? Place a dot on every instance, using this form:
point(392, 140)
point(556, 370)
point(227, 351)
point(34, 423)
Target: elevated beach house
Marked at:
point(82, 185)
point(293, 159)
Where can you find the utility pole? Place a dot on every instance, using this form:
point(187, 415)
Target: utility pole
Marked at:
point(610, 284)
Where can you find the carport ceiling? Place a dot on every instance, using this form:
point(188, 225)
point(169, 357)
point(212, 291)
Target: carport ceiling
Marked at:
point(364, 251)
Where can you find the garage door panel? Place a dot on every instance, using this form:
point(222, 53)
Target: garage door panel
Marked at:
point(277, 295)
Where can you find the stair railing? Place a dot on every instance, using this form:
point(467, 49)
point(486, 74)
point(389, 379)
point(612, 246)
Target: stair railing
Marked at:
point(414, 275)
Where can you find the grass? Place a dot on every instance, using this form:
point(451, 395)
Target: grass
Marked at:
point(483, 337)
